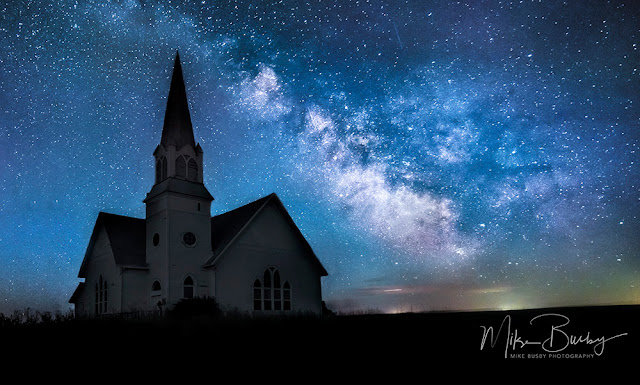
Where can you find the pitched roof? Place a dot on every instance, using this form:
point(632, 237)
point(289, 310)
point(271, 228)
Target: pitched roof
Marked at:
point(76, 292)
point(226, 227)
point(127, 239)
point(127, 234)
point(177, 129)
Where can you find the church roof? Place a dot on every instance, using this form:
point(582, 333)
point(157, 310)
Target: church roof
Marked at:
point(127, 234)
point(177, 129)
point(226, 227)
point(127, 239)
point(77, 292)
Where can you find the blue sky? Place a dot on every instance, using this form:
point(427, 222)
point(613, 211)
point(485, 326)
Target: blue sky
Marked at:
point(436, 155)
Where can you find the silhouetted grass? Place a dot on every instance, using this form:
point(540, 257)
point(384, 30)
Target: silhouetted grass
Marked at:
point(407, 337)
point(33, 317)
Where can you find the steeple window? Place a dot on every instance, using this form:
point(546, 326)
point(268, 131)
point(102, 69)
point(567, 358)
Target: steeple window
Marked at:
point(192, 171)
point(186, 168)
point(181, 167)
point(161, 169)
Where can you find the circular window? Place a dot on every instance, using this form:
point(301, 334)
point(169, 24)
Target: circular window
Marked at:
point(189, 239)
point(156, 239)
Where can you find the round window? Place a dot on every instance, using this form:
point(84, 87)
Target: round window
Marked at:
point(156, 239)
point(189, 239)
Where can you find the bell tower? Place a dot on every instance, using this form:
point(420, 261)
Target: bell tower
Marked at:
point(178, 207)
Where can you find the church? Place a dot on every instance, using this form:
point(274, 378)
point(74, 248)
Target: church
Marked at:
point(252, 259)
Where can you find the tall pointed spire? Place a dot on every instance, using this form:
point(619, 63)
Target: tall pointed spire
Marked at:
point(177, 129)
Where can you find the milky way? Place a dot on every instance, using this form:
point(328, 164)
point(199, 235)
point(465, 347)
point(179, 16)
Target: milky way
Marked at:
point(435, 155)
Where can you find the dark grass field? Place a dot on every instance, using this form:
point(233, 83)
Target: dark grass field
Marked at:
point(379, 342)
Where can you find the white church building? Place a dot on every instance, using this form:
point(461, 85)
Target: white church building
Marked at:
point(252, 259)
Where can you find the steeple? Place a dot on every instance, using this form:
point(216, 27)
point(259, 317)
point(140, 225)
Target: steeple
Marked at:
point(177, 129)
point(178, 159)
point(178, 207)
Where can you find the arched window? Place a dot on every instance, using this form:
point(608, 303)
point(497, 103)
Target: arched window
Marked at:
point(286, 296)
point(270, 295)
point(267, 289)
point(156, 286)
point(188, 287)
point(164, 168)
point(277, 298)
point(181, 167)
point(192, 171)
point(161, 169)
point(257, 295)
point(101, 296)
point(104, 296)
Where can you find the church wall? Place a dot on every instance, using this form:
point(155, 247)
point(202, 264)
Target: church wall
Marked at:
point(137, 286)
point(186, 260)
point(157, 255)
point(269, 241)
point(172, 260)
point(101, 262)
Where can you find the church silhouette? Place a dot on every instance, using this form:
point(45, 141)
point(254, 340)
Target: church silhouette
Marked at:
point(252, 259)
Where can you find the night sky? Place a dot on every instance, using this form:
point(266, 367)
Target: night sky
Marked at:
point(436, 155)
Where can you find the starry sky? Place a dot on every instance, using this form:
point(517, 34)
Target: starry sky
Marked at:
point(436, 155)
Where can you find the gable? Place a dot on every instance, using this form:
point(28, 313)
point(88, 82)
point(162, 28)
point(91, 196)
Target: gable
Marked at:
point(225, 227)
point(124, 236)
point(265, 223)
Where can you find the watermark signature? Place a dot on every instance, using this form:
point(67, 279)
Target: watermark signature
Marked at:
point(557, 340)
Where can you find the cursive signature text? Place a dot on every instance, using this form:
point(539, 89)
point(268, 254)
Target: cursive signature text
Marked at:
point(558, 338)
